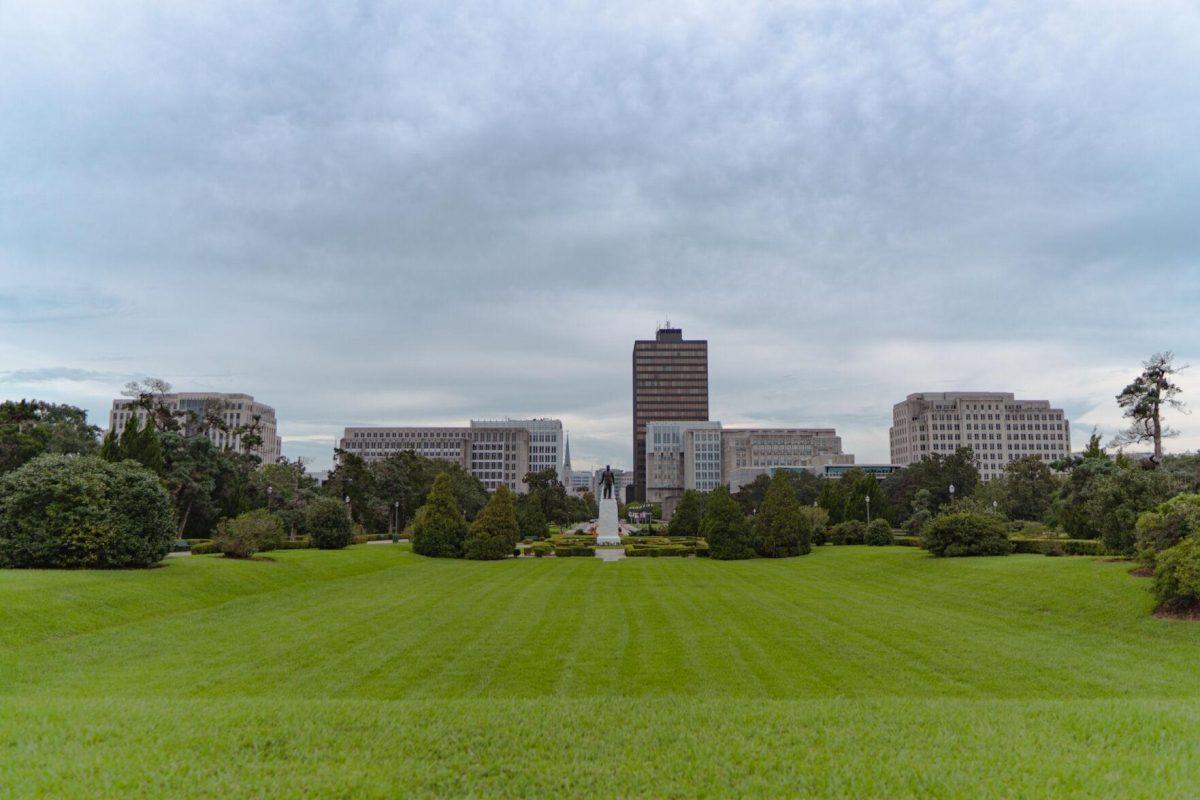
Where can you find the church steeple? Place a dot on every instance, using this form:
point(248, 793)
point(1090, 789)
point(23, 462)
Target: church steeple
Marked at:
point(567, 455)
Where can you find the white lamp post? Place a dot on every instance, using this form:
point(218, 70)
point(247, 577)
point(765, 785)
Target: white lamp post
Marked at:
point(868, 509)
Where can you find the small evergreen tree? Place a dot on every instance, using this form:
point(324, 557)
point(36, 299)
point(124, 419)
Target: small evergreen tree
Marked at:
point(687, 517)
point(780, 530)
point(150, 448)
point(531, 519)
point(110, 448)
point(130, 440)
point(725, 527)
point(439, 529)
point(494, 533)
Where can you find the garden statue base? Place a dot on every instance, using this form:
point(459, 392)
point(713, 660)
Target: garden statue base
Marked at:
point(608, 531)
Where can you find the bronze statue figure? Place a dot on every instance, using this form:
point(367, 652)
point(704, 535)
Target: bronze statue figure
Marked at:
point(606, 480)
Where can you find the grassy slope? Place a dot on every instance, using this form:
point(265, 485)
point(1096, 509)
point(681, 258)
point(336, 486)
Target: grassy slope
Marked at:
point(852, 672)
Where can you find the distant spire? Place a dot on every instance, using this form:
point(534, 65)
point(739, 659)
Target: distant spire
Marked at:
point(567, 455)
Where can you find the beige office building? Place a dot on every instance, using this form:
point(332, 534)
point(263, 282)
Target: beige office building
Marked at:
point(997, 427)
point(235, 409)
point(750, 452)
point(498, 452)
point(686, 455)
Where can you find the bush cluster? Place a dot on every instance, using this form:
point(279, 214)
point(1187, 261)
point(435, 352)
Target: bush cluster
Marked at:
point(1177, 576)
point(328, 524)
point(849, 532)
point(966, 534)
point(249, 533)
point(82, 511)
point(495, 532)
point(879, 533)
point(1167, 525)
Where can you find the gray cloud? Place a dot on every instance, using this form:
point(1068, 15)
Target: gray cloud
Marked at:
point(425, 211)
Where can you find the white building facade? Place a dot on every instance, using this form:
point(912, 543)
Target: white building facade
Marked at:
point(498, 452)
point(234, 408)
point(996, 426)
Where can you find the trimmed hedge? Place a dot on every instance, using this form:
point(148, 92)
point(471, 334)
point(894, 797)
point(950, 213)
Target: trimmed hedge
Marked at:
point(567, 552)
point(656, 551)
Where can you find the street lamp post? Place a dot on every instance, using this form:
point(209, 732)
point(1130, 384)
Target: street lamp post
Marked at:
point(396, 524)
point(952, 494)
point(270, 492)
point(868, 509)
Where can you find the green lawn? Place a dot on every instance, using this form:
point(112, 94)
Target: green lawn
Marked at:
point(854, 672)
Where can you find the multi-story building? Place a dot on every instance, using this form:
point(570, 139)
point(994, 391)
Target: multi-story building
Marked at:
point(680, 456)
point(703, 455)
point(750, 452)
point(997, 428)
point(670, 383)
point(498, 452)
point(546, 441)
point(236, 410)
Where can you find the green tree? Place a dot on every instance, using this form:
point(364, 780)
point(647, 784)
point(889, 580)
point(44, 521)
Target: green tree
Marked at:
point(328, 524)
point(726, 528)
point(1030, 487)
point(1071, 505)
point(531, 519)
point(439, 529)
point(110, 448)
point(856, 487)
point(495, 532)
point(30, 428)
point(130, 440)
point(1119, 498)
point(934, 473)
point(688, 515)
point(780, 530)
point(1143, 402)
point(149, 448)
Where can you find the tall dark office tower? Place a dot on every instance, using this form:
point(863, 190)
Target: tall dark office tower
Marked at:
point(670, 383)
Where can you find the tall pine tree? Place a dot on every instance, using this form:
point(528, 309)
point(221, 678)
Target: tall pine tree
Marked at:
point(495, 532)
point(439, 529)
point(725, 527)
point(779, 528)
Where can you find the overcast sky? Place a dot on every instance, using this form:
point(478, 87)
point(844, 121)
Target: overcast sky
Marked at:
point(423, 212)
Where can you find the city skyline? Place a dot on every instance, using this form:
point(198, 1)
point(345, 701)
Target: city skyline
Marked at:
point(363, 225)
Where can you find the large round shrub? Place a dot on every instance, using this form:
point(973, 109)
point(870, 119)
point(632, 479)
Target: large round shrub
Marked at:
point(83, 511)
point(1177, 576)
point(879, 533)
point(966, 534)
point(328, 524)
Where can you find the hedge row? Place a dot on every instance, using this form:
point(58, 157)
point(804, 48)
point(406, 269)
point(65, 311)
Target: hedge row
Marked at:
point(204, 547)
point(668, 550)
point(1055, 547)
point(1060, 547)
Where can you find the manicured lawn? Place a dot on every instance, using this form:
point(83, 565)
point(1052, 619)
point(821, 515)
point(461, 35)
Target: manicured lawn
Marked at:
point(853, 672)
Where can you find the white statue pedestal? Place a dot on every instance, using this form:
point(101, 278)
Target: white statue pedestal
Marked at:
point(608, 530)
